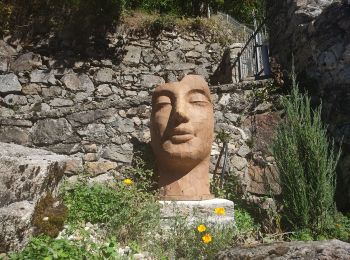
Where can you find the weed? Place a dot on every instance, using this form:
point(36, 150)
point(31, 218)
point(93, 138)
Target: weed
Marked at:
point(44, 247)
point(49, 216)
point(126, 211)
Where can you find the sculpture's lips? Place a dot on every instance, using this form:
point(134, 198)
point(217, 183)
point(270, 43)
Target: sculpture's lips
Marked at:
point(181, 135)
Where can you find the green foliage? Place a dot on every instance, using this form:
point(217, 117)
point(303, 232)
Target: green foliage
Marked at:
point(124, 209)
point(306, 163)
point(142, 174)
point(81, 17)
point(49, 216)
point(44, 247)
point(244, 221)
point(302, 235)
point(243, 10)
point(184, 241)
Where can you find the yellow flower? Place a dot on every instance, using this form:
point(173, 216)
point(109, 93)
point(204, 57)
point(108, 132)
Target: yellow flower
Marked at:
point(201, 228)
point(206, 238)
point(337, 225)
point(128, 182)
point(220, 211)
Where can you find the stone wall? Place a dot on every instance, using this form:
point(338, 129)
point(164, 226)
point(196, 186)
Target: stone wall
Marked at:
point(317, 34)
point(96, 108)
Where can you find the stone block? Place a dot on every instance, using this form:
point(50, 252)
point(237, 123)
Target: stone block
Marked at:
point(9, 83)
point(26, 174)
point(197, 212)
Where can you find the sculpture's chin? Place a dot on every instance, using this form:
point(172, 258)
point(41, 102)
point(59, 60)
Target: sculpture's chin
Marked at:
point(189, 150)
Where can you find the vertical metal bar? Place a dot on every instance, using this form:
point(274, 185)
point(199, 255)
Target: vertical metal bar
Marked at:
point(224, 166)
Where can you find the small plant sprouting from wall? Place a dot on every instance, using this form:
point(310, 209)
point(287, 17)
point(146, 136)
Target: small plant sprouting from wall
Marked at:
point(49, 216)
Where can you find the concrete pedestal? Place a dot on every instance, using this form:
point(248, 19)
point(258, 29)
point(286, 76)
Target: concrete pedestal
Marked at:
point(198, 212)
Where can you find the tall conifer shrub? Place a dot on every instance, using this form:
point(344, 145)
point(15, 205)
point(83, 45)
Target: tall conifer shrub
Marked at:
point(306, 162)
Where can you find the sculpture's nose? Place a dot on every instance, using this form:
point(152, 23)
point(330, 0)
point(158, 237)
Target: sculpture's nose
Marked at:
point(181, 113)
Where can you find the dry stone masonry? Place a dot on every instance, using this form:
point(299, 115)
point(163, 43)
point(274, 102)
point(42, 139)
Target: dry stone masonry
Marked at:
point(96, 109)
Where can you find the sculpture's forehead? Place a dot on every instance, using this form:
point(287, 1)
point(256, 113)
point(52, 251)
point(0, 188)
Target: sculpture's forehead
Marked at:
point(188, 84)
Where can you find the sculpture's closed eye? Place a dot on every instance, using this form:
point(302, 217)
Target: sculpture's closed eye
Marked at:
point(198, 99)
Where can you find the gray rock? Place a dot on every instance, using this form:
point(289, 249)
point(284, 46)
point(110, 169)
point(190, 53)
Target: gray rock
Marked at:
point(6, 50)
point(176, 56)
point(4, 63)
point(15, 225)
point(147, 56)
point(132, 56)
point(186, 45)
point(75, 82)
point(71, 81)
point(86, 83)
point(52, 91)
point(106, 178)
point(239, 163)
point(104, 75)
point(26, 62)
point(50, 131)
point(9, 83)
point(13, 100)
point(195, 211)
point(40, 76)
point(193, 54)
point(26, 174)
point(243, 150)
point(331, 249)
point(119, 153)
point(31, 89)
point(180, 66)
point(18, 135)
point(103, 90)
point(99, 167)
point(150, 81)
point(93, 132)
point(61, 102)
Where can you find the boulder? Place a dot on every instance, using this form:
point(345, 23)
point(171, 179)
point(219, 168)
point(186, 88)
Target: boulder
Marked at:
point(26, 174)
point(332, 249)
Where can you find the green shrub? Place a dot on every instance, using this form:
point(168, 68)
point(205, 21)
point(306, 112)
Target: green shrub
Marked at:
point(82, 18)
point(244, 221)
point(306, 163)
point(126, 211)
point(44, 247)
point(185, 241)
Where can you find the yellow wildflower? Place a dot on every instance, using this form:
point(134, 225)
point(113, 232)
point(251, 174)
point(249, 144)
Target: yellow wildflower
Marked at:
point(206, 238)
point(220, 211)
point(201, 228)
point(128, 182)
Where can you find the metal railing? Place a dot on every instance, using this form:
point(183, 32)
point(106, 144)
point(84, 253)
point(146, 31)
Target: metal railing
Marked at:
point(252, 61)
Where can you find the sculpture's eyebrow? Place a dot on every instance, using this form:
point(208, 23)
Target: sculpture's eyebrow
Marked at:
point(201, 91)
point(162, 92)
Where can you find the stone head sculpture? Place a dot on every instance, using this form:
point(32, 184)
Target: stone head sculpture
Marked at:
point(182, 126)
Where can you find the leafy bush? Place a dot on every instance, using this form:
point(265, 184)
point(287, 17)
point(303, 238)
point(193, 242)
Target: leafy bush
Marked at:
point(306, 163)
point(82, 17)
point(244, 221)
point(44, 247)
point(126, 211)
